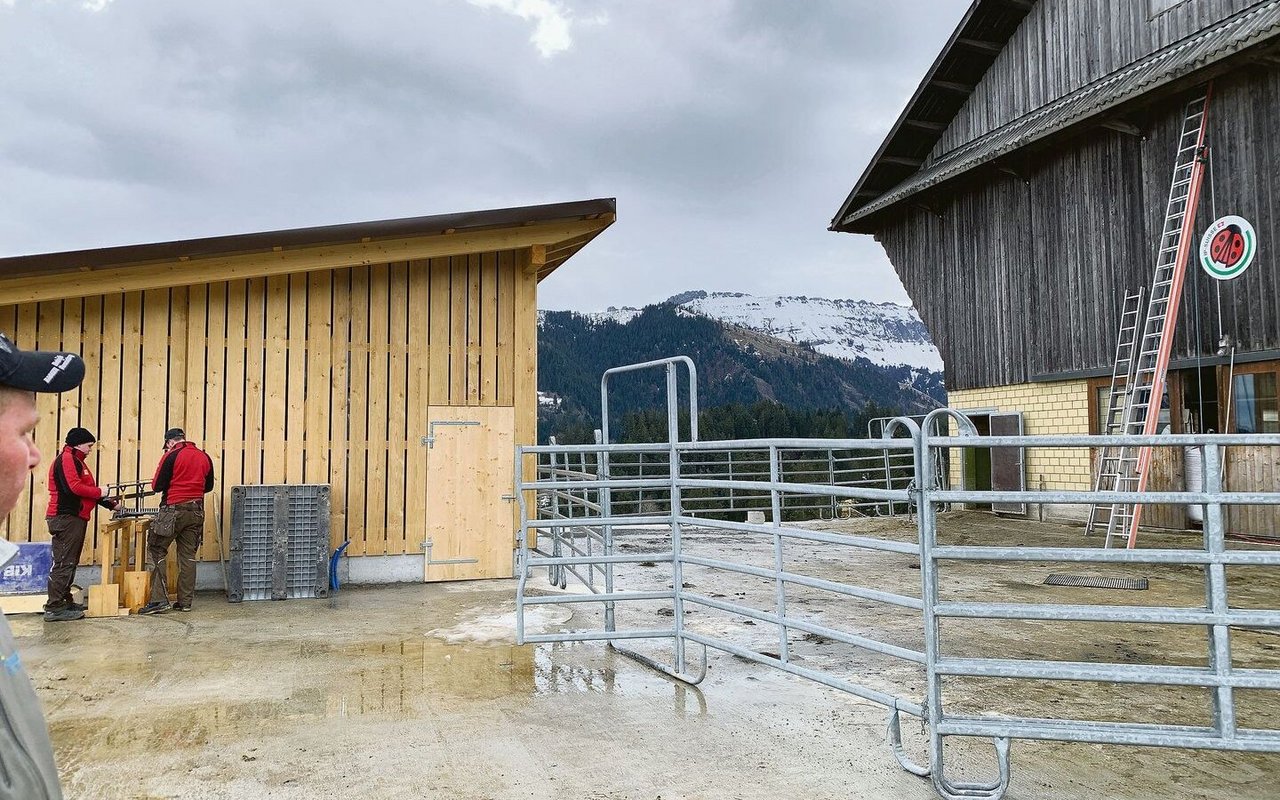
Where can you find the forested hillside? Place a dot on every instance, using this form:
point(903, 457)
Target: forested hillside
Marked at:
point(749, 383)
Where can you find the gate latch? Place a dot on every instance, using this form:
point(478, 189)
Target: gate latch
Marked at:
point(428, 544)
point(430, 439)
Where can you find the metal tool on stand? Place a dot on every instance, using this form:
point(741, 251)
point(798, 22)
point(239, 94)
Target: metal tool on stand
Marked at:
point(132, 496)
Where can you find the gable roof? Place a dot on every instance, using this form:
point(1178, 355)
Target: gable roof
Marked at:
point(982, 33)
point(1192, 55)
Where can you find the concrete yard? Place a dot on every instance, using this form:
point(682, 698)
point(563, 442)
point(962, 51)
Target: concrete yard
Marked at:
point(418, 691)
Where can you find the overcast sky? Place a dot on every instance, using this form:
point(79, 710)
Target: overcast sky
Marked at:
point(728, 130)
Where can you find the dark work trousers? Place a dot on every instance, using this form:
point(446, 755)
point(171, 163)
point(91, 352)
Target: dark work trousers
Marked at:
point(183, 522)
point(67, 531)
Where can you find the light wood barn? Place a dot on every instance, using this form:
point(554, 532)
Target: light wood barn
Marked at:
point(317, 355)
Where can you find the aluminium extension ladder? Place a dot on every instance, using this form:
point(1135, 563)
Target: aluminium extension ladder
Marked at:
point(1115, 475)
point(1156, 344)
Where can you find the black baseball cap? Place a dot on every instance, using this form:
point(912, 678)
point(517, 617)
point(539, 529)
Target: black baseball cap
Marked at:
point(38, 370)
point(174, 433)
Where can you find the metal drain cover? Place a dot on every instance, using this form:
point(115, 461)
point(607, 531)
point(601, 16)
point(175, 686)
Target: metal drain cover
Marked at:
point(1095, 581)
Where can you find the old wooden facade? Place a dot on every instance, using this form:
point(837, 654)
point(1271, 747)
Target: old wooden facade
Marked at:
point(323, 355)
point(1021, 193)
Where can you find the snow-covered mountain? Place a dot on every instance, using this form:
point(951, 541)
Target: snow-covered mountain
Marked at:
point(739, 368)
point(883, 333)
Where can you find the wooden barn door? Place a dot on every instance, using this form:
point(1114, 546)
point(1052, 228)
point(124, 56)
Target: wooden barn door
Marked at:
point(1007, 471)
point(469, 492)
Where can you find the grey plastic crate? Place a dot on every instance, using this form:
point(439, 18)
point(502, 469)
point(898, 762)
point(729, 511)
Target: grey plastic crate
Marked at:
point(279, 542)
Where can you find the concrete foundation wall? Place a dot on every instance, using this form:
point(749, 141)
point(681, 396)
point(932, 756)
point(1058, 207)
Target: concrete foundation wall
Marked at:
point(208, 576)
point(382, 569)
point(358, 571)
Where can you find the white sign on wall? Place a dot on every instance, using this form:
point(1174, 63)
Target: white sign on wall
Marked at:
point(1228, 247)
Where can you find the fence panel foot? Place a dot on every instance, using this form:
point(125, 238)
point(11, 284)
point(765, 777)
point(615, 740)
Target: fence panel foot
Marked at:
point(993, 790)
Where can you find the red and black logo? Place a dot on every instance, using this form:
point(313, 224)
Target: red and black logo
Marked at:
point(1227, 247)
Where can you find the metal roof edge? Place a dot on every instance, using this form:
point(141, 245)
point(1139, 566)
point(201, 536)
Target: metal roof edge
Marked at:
point(910, 106)
point(963, 159)
point(406, 227)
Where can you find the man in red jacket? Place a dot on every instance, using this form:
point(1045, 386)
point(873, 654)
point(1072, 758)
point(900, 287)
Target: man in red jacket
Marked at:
point(184, 475)
point(72, 495)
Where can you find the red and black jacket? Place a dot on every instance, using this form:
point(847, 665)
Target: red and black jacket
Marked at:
point(185, 473)
point(72, 489)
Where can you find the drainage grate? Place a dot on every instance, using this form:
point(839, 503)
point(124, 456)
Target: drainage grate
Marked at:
point(1095, 581)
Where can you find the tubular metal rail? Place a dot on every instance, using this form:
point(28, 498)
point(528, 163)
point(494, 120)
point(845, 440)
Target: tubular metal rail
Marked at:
point(1216, 616)
point(899, 469)
point(650, 470)
point(588, 517)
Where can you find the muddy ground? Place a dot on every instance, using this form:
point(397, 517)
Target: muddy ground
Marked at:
point(419, 690)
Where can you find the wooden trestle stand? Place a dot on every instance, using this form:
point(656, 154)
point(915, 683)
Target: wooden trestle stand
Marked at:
point(125, 585)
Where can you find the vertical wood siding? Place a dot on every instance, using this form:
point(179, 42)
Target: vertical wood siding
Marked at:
point(971, 283)
point(1020, 279)
point(1063, 45)
point(321, 377)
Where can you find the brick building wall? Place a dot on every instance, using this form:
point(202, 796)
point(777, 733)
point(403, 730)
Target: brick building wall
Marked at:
point(1059, 407)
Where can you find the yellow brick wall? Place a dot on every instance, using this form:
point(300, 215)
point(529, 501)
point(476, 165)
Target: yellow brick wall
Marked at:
point(1060, 407)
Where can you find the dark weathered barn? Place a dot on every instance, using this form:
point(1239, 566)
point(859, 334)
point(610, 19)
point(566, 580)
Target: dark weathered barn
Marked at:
point(1021, 193)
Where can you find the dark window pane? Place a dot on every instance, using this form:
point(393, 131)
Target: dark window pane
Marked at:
point(1246, 404)
point(1268, 420)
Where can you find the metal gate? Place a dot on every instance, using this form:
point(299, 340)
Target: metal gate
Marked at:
point(590, 511)
point(1218, 617)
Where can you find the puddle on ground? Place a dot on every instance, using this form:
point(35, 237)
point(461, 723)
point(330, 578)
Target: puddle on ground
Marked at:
point(416, 678)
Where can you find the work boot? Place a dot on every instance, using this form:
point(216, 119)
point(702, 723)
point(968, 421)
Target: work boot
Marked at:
point(158, 607)
point(64, 614)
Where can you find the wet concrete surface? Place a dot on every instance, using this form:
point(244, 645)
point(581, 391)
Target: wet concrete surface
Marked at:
point(419, 690)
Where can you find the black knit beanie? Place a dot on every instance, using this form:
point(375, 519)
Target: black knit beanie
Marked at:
point(77, 436)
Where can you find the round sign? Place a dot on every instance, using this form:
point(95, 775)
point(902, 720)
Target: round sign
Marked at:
point(1228, 247)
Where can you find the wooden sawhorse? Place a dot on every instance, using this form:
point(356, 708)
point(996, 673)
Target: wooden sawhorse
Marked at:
point(125, 585)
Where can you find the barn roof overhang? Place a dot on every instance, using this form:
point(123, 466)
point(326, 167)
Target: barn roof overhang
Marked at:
point(983, 32)
point(1177, 67)
point(553, 233)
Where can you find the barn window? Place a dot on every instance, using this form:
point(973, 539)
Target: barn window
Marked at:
point(1199, 401)
point(1100, 393)
point(1254, 403)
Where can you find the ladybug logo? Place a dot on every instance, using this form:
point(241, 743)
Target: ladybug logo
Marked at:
point(1228, 247)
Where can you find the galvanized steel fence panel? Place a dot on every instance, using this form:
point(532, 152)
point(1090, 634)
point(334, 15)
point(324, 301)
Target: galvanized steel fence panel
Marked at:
point(580, 509)
point(1217, 616)
point(585, 493)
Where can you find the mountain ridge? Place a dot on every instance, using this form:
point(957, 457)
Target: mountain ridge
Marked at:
point(884, 333)
point(738, 365)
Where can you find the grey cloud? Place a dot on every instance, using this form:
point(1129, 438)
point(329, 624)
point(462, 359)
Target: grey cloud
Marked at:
point(729, 130)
